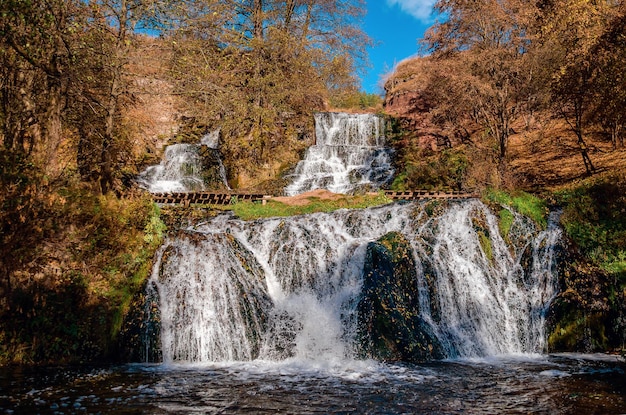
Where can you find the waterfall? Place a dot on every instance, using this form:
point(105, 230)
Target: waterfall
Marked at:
point(187, 168)
point(288, 288)
point(349, 155)
point(179, 171)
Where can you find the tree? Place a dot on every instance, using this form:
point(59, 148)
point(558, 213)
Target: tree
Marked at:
point(63, 75)
point(489, 40)
point(609, 83)
point(100, 91)
point(567, 35)
point(36, 57)
point(257, 69)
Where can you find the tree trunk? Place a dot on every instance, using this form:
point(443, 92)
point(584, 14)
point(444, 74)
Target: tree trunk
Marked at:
point(106, 162)
point(112, 102)
point(578, 129)
point(589, 167)
point(52, 127)
point(257, 19)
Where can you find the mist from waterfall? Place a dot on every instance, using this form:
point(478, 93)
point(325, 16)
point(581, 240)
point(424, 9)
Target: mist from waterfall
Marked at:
point(349, 155)
point(287, 288)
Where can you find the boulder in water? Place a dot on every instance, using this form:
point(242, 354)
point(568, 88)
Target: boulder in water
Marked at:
point(390, 326)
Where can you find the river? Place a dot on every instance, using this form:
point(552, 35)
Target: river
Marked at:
point(540, 384)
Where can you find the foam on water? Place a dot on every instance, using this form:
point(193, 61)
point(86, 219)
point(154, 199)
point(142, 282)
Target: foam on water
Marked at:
point(554, 384)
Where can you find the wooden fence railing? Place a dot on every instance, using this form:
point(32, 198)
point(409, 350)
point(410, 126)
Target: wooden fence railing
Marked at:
point(226, 198)
point(207, 198)
point(426, 194)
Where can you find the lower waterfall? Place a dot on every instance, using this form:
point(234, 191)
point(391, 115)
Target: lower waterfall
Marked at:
point(289, 288)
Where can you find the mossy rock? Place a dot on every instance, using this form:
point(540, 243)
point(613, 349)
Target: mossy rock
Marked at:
point(589, 314)
point(579, 331)
point(211, 160)
point(390, 326)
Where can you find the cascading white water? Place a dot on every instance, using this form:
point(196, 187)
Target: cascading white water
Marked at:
point(288, 288)
point(206, 319)
point(181, 168)
point(179, 171)
point(349, 154)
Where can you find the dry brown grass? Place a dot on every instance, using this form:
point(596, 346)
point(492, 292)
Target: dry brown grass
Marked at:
point(305, 198)
point(548, 158)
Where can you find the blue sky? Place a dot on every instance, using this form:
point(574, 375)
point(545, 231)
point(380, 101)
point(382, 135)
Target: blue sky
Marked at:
point(395, 26)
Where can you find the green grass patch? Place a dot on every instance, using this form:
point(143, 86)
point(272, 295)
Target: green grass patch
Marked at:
point(505, 222)
point(485, 244)
point(522, 202)
point(272, 208)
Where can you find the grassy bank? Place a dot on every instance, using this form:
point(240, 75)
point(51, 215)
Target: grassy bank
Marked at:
point(304, 205)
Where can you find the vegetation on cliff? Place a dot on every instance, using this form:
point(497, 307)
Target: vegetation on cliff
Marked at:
point(70, 271)
point(505, 75)
point(258, 70)
point(590, 312)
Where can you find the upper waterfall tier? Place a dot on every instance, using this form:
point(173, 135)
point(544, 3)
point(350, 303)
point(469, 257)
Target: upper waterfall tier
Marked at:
point(179, 171)
point(349, 155)
point(343, 129)
point(187, 168)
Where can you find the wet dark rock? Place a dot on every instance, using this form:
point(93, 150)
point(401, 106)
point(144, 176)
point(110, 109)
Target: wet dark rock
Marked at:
point(589, 313)
point(140, 335)
point(390, 326)
point(212, 168)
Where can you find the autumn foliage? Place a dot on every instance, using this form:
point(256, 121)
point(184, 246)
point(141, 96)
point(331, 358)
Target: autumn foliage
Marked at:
point(496, 69)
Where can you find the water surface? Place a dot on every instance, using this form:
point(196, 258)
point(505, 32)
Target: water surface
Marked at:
point(555, 384)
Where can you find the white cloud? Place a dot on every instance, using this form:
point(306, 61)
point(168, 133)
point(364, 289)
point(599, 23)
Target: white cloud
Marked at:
point(420, 9)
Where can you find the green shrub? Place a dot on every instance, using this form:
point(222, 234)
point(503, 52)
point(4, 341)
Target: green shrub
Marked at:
point(442, 171)
point(594, 217)
point(356, 100)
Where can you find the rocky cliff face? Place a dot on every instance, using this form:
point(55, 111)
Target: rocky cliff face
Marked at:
point(406, 101)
